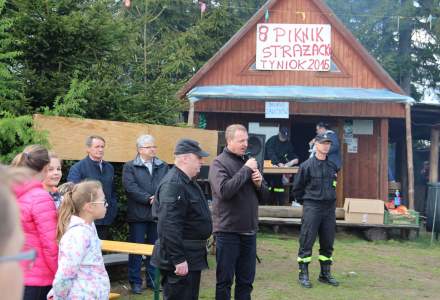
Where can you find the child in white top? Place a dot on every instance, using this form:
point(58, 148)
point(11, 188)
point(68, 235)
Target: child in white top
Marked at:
point(81, 273)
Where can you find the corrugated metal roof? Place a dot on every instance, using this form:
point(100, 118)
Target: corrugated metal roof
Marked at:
point(296, 93)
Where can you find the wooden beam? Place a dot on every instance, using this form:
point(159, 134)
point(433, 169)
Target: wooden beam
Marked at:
point(67, 137)
point(383, 160)
point(433, 159)
point(409, 156)
point(340, 181)
point(191, 114)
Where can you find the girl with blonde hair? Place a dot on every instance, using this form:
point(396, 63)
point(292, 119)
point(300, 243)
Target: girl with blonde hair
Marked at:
point(81, 273)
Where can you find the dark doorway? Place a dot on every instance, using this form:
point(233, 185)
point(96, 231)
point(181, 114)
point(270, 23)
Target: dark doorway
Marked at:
point(302, 134)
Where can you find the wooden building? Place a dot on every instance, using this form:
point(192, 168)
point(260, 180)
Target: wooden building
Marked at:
point(349, 86)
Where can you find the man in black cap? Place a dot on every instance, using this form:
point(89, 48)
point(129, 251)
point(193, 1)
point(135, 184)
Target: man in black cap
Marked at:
point(315, 187)
point(279, 150)
point(334, 154)
point(184, 225)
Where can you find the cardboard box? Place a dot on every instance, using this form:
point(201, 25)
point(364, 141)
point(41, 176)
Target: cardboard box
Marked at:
point(364, 211)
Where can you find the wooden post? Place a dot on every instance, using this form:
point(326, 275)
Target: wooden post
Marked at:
point(383, 163)
point(340, 184)
point(409, 156)
point(191, 114)
point(433, 159)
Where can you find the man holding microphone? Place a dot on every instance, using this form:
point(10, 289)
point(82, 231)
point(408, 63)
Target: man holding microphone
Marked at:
point(237, 186)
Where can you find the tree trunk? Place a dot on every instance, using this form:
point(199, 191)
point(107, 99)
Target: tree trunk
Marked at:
point(405, 29)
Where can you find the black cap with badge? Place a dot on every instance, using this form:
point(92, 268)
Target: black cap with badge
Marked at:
point(185, 146)
point(284, 131)
point(322, 138)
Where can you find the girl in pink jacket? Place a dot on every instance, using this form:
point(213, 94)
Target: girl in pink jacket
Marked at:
point(39, 221)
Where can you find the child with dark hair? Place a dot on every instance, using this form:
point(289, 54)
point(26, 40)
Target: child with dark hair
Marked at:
point(39, 221)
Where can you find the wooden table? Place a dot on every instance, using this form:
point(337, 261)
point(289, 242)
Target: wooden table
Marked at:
point(280, 170)
point(133, 248)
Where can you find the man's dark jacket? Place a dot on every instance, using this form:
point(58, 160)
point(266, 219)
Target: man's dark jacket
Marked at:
point(314, 180)
point(184, 223)
point(89, 169)
point(278, 151)
point(140, 185)
point(235, 197)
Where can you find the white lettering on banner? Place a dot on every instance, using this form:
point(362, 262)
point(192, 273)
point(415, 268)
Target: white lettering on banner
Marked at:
point(277, 110)
point(293, 47)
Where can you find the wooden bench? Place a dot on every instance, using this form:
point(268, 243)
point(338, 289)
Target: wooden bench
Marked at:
point(132, 248)
point(370, 231)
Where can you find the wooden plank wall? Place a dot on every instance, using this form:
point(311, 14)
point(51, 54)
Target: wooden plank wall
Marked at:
point(67, 137)
point(341, 109)
point(361, 170)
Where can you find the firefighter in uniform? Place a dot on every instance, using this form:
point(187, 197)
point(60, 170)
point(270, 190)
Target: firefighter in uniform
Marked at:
point(184, 225)
point(315, 187)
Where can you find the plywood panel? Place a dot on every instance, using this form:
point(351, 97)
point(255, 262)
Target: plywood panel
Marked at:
point(67, 137)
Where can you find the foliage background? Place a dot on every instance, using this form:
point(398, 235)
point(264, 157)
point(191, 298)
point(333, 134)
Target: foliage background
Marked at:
point(100, 59)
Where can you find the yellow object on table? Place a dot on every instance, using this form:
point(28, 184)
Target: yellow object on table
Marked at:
point(114, 296)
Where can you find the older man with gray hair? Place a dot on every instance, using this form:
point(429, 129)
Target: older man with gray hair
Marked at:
point(140, 178)
point(94, 167)
point(184, 225)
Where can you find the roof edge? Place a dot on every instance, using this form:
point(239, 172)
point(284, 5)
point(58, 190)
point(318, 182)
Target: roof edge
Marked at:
point(225, 48)
point(370, 61)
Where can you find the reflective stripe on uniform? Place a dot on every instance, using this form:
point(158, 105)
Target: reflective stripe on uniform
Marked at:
point(325, 258)
point(304, 259)
point(278, 190)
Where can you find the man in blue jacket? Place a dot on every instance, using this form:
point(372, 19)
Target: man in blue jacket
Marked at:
point(140, 178)
point(93, 167)
point(334, 154)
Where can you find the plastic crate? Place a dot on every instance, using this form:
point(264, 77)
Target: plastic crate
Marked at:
point(412, 218)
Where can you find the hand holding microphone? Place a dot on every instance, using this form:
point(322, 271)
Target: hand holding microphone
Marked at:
point(252, 163)
point(257, 178)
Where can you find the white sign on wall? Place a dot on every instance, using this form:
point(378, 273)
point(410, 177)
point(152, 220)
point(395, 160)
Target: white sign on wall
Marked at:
point(277, 110)
point(352, 145)
point(293, 47)
point(363, 127)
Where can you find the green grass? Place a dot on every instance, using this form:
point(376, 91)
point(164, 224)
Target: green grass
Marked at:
point(366, 270)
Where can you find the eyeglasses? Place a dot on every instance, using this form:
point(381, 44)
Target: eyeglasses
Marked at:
point(102, 202)
point(149, 147)
point(28, 257)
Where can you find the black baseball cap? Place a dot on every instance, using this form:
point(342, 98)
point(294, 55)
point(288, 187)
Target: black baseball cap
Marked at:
point(184, 146)
point(284, 131)
point(321, 138)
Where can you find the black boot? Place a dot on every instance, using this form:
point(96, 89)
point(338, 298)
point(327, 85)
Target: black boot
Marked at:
point(325, 276)
point(303, 277)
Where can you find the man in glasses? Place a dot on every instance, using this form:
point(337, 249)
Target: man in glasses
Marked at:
point(11, 242)
point(140, 178)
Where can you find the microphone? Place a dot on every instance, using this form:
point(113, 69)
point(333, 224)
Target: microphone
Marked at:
point(248, 155)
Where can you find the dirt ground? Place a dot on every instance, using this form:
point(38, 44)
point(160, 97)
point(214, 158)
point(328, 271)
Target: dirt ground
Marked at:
point(366, 270)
